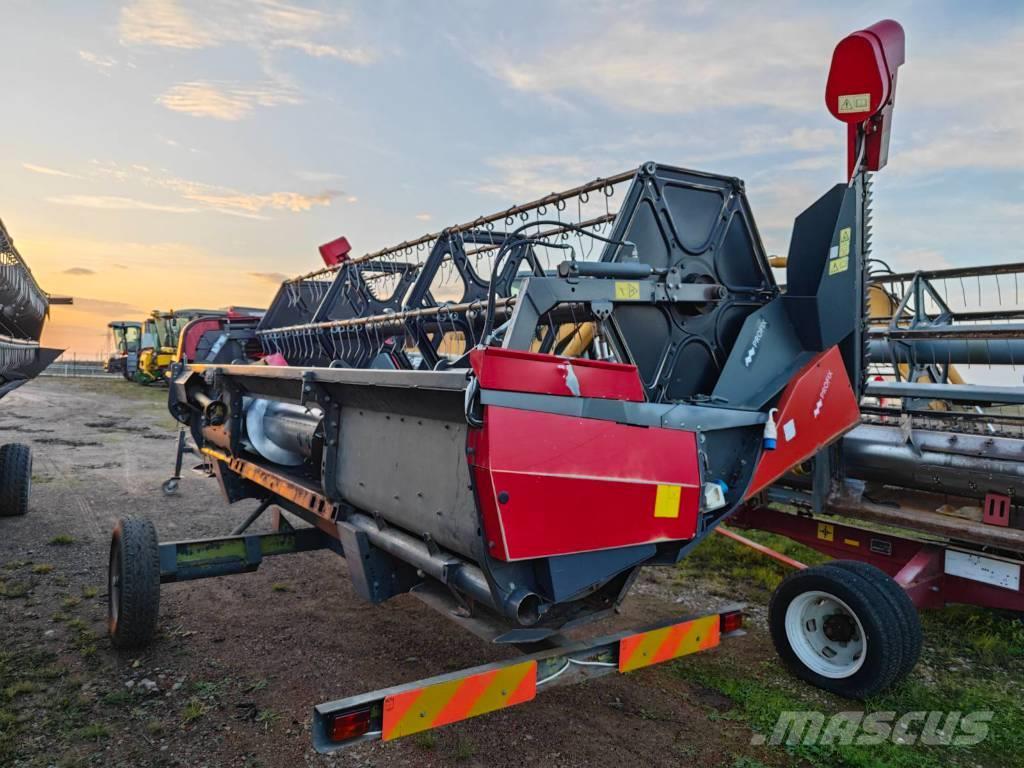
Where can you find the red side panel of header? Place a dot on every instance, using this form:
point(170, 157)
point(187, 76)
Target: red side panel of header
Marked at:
point(817, 406)
point(554, 485)
point(514, 371)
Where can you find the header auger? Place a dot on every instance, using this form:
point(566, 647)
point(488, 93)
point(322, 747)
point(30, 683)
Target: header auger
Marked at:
point(511, 416)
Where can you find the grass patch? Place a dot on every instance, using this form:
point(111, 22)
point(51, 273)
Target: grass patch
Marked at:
point(761, 693)
point(280, 586)
point(117, 698)
point(91, 732)
point(83, 639)
point(117, 387)
point(62, 540)
point(89, 592)
point(266, 718)
point(42, 568)
point(256, 685)
point(20, 688)
point(995, 639)
point(70, 602)
point(192, 711)
point(57, 714)
point(464, 749)
point(13, 589)
point(14, 565)
point(727, 563)
point(207, 689)
point(48, 672)
point(425, 740)
point(154, 728)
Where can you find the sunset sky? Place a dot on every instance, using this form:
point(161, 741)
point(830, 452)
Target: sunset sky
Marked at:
point(164, 153)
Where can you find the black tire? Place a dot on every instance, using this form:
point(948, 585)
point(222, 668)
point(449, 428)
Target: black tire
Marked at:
point(902, 606)
point(133, 583)
point(15, 479)
point(881, 657)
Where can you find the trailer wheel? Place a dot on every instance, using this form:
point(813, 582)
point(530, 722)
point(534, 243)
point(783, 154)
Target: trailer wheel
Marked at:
point(15, 479)
point(901, 604)
point(133, 583)
point(837, 631)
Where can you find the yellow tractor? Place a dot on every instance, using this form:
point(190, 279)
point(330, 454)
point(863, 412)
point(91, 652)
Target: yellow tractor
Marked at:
point(160, 342)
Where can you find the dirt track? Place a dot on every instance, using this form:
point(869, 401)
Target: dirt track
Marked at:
point(240, 661)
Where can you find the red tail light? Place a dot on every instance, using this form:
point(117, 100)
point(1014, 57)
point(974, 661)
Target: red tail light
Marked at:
point(349, 725)
point(731, 621)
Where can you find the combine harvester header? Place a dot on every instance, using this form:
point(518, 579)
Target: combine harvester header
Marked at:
point(510, 417)
point(24, 309)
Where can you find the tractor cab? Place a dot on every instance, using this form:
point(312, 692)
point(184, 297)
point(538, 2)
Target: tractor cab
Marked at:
point(127, 342)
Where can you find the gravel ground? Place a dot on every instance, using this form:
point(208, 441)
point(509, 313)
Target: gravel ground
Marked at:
point(240, 661)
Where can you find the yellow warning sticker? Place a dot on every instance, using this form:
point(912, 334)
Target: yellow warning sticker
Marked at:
point(666, 503)
point(844, 242)
point(826, 532)
point(627, 291)
point(838, 265)
point(854, 102)
point(851, 542)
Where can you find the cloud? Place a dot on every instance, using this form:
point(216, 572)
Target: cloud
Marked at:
point(768, 138)
point(351, 199)
point(644, 64)
point(423, 217)
point(162, 23)
point(359, 56)
point(115, 203)
point(46, 171)
point(208, 197)
point(103, 63)
point(318, 175)
point(529, 176)
point(260, 24)
point(225, 100)
point(228, 200)
point(79, 271)
point(964, 99)
point(105, 307)
point(270, 277)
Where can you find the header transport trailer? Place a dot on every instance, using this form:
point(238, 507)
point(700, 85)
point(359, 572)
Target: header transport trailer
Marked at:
point(928, 486)
point(24, 308)
point(510, 417)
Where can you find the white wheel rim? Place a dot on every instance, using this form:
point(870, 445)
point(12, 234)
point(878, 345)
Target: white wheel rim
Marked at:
point(826, 635)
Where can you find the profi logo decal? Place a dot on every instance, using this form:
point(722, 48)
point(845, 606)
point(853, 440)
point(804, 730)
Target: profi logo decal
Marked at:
point(762, 326)
point(824, 391)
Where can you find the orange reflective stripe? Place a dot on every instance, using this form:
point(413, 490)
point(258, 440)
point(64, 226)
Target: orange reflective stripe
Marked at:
point(673, 640)
point(395, 708)
point(658, 645)
point(466, 695)
point(441, 703)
